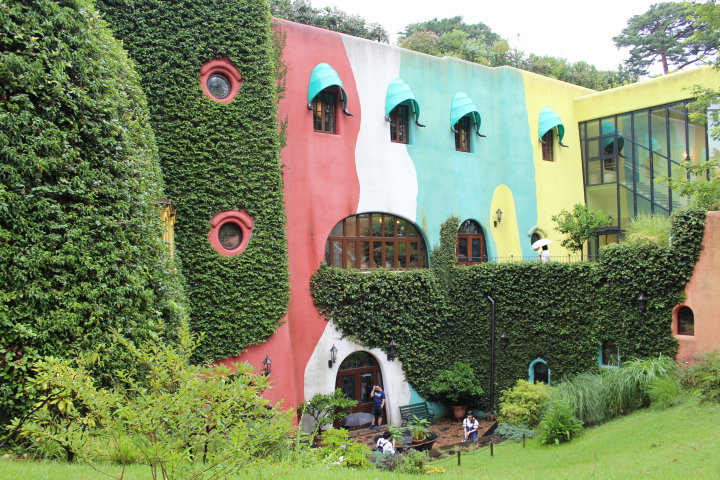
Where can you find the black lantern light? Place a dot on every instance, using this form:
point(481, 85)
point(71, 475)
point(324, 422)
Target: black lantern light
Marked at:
point(499, 217)
point(392, 350)
point(333, 356)
point(642, 303)
point(504, 340)
point(267, 362)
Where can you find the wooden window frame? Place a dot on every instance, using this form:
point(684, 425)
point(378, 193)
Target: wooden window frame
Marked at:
point(325, 111)
point(469, 237)
point(400, 124)
point(462, 135)
point(548, 153)
point(349, 248)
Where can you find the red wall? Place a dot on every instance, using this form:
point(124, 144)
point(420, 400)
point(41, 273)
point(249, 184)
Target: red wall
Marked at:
point(321, 188)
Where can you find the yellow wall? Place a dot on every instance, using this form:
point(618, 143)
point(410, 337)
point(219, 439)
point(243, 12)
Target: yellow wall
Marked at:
point(559, 183)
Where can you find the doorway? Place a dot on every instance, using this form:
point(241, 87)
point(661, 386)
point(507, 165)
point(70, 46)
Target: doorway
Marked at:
point(357, 375)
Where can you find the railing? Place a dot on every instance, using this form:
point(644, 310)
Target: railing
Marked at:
point(532, 258)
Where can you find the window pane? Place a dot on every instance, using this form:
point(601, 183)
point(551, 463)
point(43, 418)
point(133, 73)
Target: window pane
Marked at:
point(411, 231)
point(593, 173)
point(476, 250)
point(389, 221)
point(350, 255)
point(609, 170)
point(389, 255)
point(463, 248)
point(337, 254)
point(350, 227)
point(400, 227)
point(377, 225)
point(423, 255)
point(366, 386)
point(363, 225)
point(377, 255)
point(659, 130)
point(593, 149)
point(402, 259)
point(593, 130)
point(337, 231)
point(413, 255)
point(364, 255)
point(686, 321)
point(677, 121)
point(347, 384)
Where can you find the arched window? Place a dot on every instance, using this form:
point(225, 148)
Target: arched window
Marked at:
point(539, 372)
point(534, 237)
point(357, 375)
point(471, 248)
point(609, 354)
point(375, 240)
point(685, 321)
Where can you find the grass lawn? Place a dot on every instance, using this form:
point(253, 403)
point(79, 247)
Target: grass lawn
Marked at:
point(682, 443)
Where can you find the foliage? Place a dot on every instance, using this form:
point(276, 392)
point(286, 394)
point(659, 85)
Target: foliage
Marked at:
point(477, 43)
point(216, 156)
point(648, 229)
point(81, 250)
point(419, 428)
point(326, 408)
point(514, 433)
point(578, 306)
point(329, 18)
point(703, 377)
point(457, 385)
point(182, 421)
point(698, 181)
point(385, 460)
point(669, 32)
point(338, 448)
point(523, 403)
point(444, 256)
point(397, 434)
point(666, 392)
point(558, 424)
point(413, 462)
point(580, 225)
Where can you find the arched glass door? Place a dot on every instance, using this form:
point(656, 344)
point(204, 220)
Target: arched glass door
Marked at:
point(357, 375)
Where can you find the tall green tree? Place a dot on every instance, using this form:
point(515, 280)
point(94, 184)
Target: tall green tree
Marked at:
point(580, 225)
point(329, 18)
point(671, 33)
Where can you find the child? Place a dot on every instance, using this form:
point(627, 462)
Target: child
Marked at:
point(470, 427)
point(385, 443)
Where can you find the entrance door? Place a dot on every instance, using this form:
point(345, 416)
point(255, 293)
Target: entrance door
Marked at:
point(357, 375)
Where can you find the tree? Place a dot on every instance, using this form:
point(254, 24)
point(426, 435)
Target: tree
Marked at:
point(580, 225)
point(700, 182)
point(669, 32)
point(334, 19)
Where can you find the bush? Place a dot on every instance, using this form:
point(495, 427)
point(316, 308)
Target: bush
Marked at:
point(648, 229)
point(339, 449)
point(522, 404)
point(704, 377)
point(326, 408)
point(456, 386)
point(413, 462)
point(666, 392)
point(626, 388)
point(558, 425)
point(183, 421)
point(584, 392)
point(514, 433)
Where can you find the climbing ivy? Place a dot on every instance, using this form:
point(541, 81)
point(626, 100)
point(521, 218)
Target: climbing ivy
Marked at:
point(216, 156)
point(558, 312)
point(81, 251)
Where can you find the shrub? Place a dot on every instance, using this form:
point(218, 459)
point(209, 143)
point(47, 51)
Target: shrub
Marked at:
point(523, 403)
point(648, 229)
point(183, 421)
point(338, 448)
point(626, 388)
point(514, 433)
point(558, 424)
point(704, 377)
point(666, 392)
point(326, 408)
point(413, 462)
point(584, 392)
point(456, 386)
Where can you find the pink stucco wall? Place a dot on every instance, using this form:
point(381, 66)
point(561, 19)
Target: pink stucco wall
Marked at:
point(703, 296)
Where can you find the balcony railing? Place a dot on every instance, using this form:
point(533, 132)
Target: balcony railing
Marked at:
point(531, 258)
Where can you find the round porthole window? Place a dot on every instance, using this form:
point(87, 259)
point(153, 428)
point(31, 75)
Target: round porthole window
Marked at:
point(218, 86)
point(230, 236)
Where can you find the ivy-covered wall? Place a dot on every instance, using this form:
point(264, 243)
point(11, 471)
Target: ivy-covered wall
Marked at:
point(559, 312)
point(81, 251)
point(216, 156)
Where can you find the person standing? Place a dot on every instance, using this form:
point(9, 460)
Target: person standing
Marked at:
point(470, 427)
point(545, 254)
point(378, 396)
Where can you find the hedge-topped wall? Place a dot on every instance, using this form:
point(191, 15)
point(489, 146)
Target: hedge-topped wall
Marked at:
point(558, 312)
point(81, 251)
point(216, 156)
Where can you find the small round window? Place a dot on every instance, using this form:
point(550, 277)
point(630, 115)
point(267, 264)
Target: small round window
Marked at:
point(219, 86)
point(230, 236)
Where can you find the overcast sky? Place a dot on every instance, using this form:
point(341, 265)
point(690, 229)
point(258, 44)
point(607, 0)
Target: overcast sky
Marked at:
point(574, 29)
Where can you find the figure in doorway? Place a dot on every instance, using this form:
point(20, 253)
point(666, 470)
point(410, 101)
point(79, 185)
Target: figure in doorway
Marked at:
point(378, 396)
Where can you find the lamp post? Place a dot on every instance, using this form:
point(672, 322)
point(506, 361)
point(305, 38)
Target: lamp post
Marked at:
point(503, 344)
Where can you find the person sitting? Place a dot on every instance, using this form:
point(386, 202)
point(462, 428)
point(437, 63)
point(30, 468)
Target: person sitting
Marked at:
point(470, 428)
point(385, 444)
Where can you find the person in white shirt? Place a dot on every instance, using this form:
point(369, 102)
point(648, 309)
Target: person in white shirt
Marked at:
point(385, 443)
point(470, 427)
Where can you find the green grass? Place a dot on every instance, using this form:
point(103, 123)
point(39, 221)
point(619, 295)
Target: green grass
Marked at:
point(680, 443)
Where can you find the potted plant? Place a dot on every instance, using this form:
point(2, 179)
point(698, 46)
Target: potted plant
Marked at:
point(419, 429)
point(396, 434)
point(326, 408)
point(456, 386)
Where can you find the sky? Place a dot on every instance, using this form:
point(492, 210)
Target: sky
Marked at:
point(573, 29)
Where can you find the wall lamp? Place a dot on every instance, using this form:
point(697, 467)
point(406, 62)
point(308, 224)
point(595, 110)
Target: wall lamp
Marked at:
point(266, 363)
point(333, 356)
point(392, 350)
point(499, 217)
point(504, 339)
point(642, 303)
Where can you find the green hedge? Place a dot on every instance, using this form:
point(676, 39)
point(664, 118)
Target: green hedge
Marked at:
point(559, 312)
point(81, 249)
point(215, 156)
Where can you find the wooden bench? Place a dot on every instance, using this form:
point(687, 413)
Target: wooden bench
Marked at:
point(420, 410)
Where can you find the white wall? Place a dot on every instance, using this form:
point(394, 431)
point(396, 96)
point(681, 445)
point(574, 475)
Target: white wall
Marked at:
point(321, 379)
